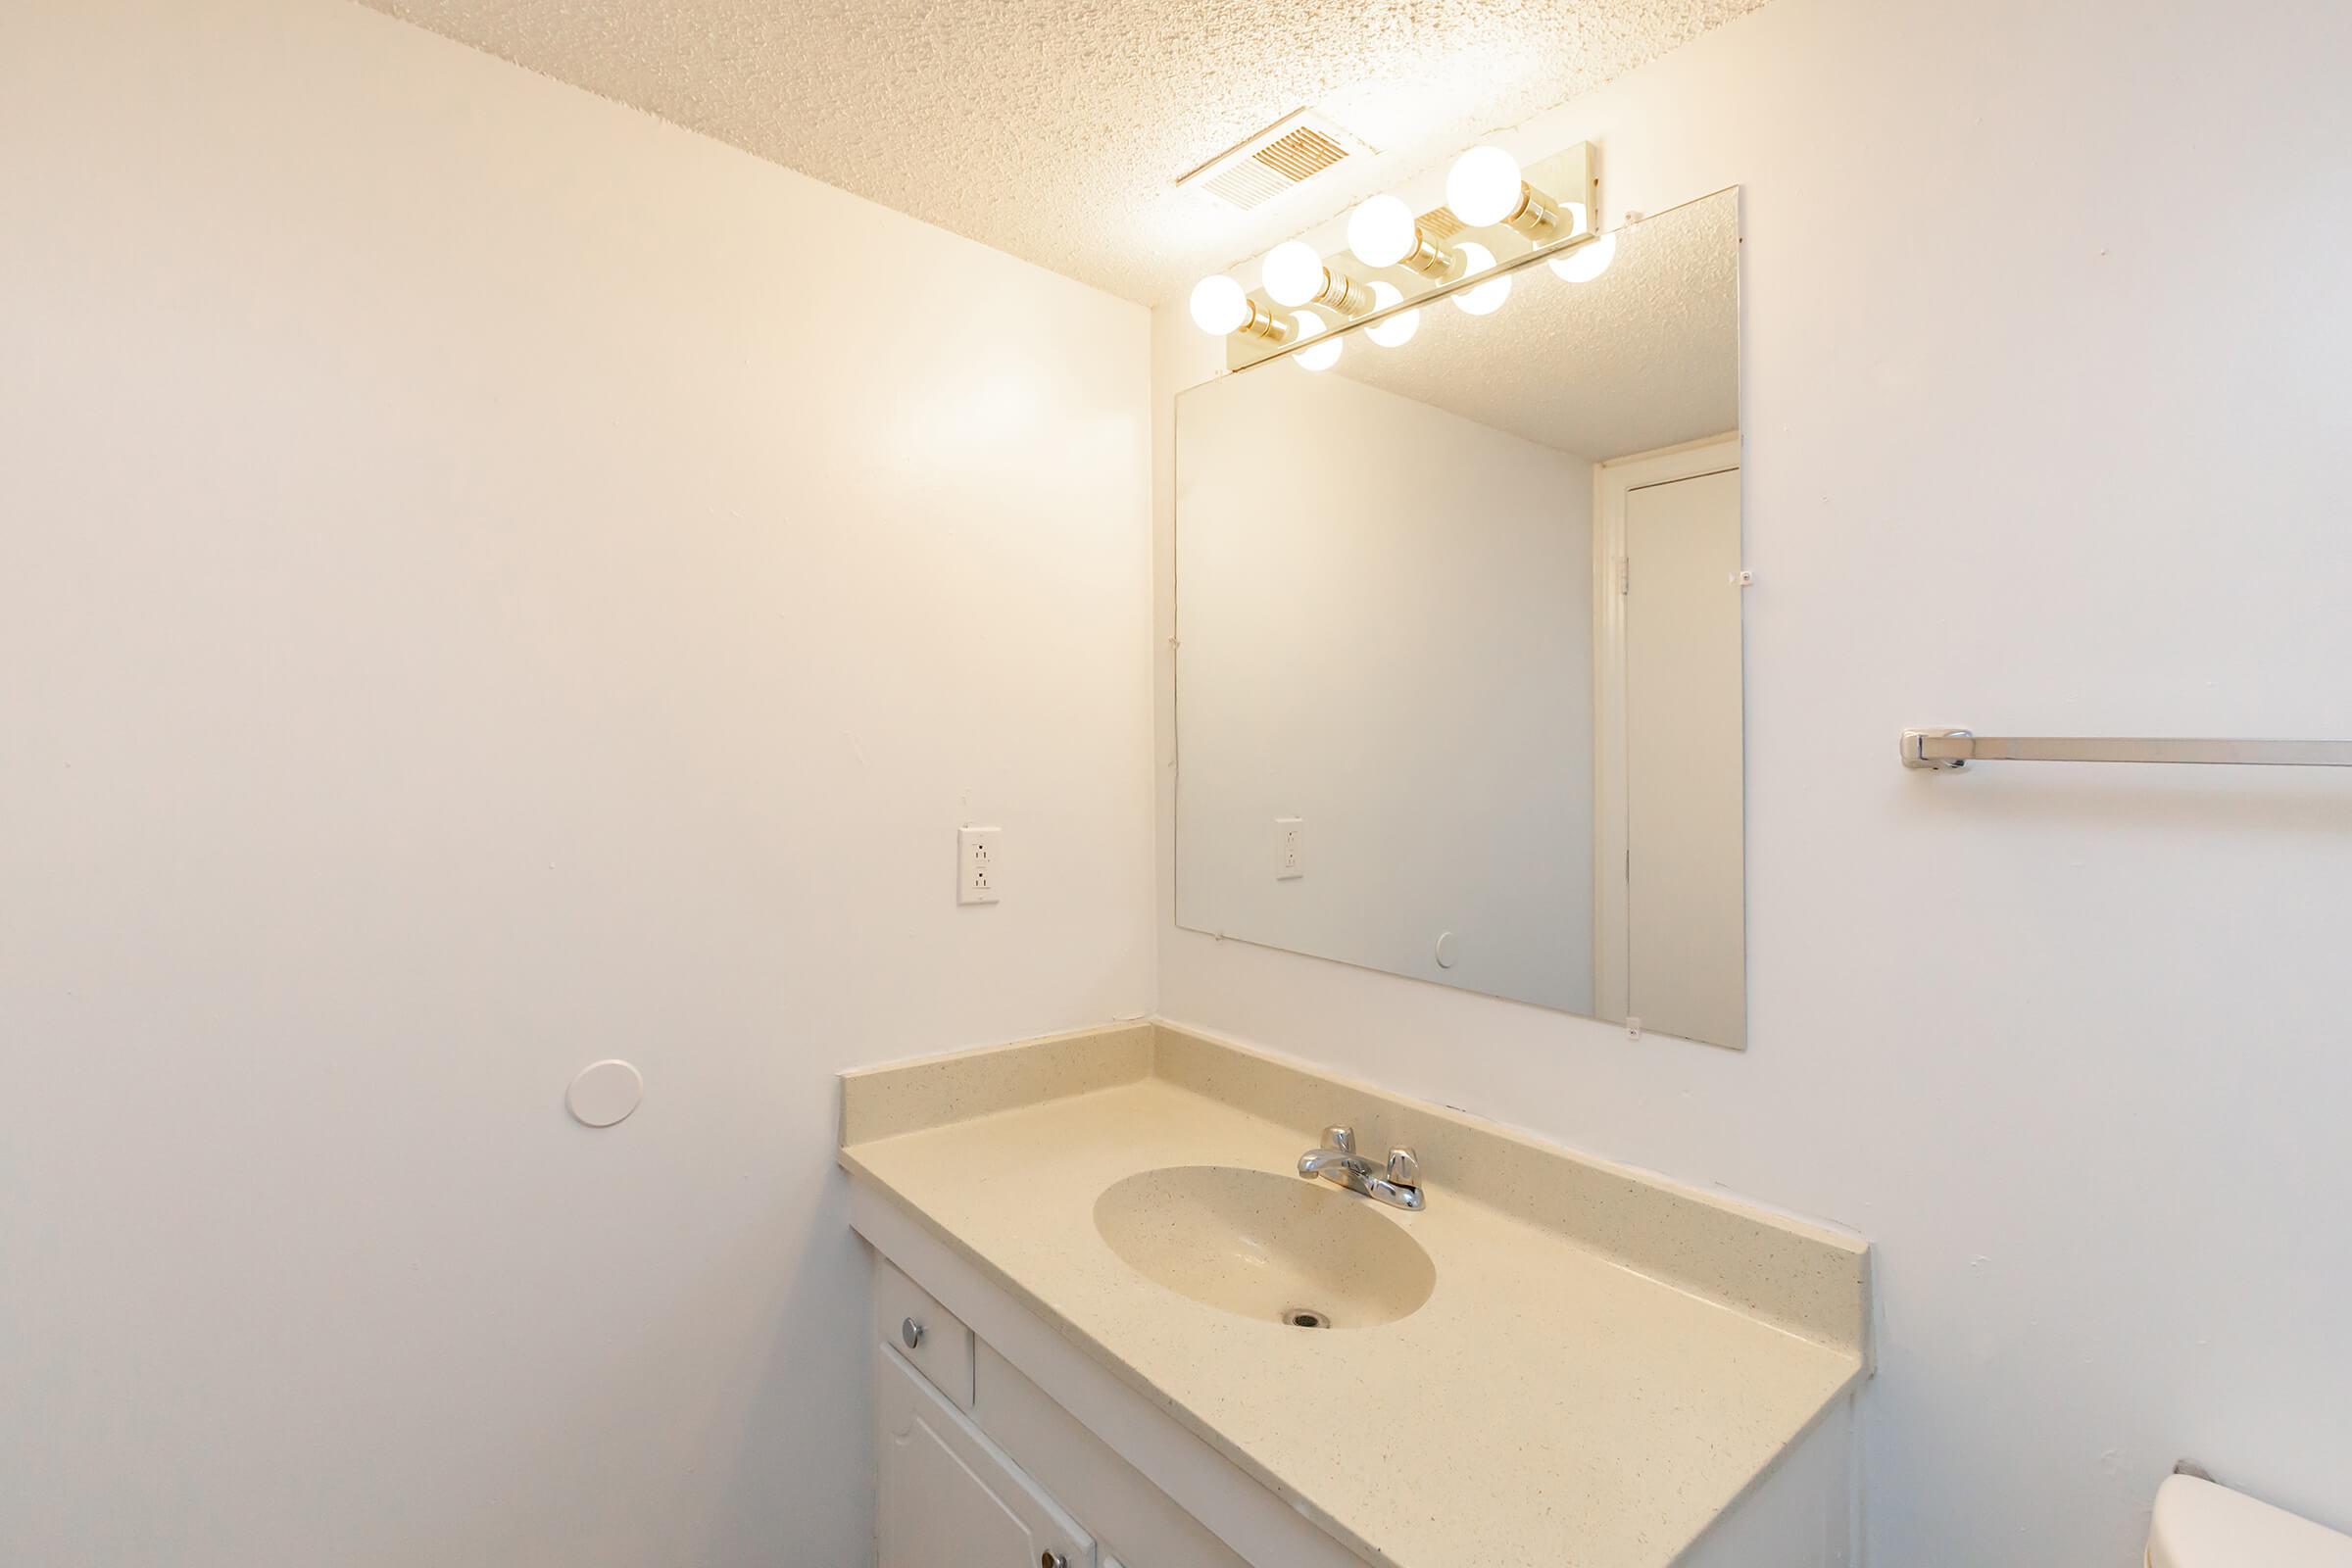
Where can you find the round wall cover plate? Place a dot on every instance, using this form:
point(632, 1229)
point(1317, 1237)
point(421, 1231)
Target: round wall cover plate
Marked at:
point(1448, 950)
point(605, 1091)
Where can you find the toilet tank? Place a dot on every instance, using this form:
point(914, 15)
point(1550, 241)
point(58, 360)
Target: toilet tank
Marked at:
point(2201, 1525)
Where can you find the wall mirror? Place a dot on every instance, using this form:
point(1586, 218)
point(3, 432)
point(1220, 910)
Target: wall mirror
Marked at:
point(1458, 638)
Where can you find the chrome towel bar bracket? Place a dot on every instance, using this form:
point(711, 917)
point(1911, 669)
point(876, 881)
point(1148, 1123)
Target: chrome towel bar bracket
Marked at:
point(1942, 749)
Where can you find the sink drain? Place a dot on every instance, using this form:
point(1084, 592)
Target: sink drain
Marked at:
point(1304, 1317)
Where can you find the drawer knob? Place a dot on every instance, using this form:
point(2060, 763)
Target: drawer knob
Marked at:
point(1052, 1559)
point(912, 1333)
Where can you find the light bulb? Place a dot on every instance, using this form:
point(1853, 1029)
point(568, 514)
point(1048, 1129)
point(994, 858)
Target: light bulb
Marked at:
point(1293, 273)
point(1220, 306)
point(1324, 354)
point(1398, 329)
point(1588, 261)
point(1481, 298)
point(1484, 186)
point(1382, 231)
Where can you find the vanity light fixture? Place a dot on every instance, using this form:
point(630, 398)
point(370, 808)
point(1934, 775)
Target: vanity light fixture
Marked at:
point(1322, 356)
point(1486, 187)
point(1586, 262)
point(1307, 301)
point(1220, 308)
point(1384, 232)
point(1479, 299)
point(1396, 331)
point(1295, 276)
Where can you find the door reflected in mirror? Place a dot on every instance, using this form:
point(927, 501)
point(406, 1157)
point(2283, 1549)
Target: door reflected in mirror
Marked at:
point(1458, 621)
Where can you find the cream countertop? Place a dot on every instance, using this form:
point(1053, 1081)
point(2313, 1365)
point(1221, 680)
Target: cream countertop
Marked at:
point(1606, 1363)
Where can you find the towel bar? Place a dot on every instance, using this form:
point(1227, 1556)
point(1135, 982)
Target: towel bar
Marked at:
point(1942, 749)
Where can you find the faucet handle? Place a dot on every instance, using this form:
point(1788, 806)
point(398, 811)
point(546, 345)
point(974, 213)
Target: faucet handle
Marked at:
point(1404, 1167)
point(1342, 1139)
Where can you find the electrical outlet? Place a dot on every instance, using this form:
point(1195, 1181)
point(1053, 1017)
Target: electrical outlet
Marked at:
point(978, 877)
point(1289, 848)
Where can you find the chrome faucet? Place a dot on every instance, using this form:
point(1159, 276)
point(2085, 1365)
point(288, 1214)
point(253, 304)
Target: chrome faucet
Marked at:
point(1337, 1161)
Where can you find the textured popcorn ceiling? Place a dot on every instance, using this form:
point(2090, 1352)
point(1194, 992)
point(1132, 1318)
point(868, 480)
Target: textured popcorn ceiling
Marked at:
point(1054, 130)
point(1644, 355)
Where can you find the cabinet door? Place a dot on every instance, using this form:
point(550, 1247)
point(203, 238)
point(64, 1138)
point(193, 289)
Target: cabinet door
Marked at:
point(947, 1497)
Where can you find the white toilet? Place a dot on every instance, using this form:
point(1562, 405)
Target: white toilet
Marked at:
point(2201, 1525)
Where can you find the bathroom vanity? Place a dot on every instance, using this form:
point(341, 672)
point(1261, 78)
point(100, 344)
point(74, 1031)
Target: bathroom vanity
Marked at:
point(1112, 1323)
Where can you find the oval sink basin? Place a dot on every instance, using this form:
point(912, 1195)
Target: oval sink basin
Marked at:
point(1266, 1247)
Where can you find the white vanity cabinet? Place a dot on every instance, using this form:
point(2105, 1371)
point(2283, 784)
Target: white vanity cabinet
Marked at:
point(977, 1467)
point(950, 1498)
point(1001, 1443)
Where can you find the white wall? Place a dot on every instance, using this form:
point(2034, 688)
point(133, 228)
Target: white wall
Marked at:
point(487, 582)
point(1349, 603)
point(2045, 408)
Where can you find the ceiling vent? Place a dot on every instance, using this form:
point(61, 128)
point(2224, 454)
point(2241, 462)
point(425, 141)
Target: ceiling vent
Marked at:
point(1440, 223)
point(1286, 154)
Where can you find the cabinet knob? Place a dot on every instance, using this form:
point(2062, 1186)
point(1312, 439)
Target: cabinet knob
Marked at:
point(1052, 1559)
point(912, 1333)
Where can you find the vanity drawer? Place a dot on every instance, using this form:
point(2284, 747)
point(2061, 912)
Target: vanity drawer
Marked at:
point(1112, 1499)
point(942, 1346)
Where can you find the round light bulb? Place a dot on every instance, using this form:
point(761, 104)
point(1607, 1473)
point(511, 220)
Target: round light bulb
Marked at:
point(1484, 186)
point(1483, 297)
point(1398, 329)
point(1382, 232)
point(1220, 306)
point(1324, 354)
point(1293, 273)
point(1587, 261)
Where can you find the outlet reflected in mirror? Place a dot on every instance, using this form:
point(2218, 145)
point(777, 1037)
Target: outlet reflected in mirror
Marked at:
point(1468, 602)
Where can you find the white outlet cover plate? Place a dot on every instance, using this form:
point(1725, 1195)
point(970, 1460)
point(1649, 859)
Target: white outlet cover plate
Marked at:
point(979, 874)
point(1289, 848)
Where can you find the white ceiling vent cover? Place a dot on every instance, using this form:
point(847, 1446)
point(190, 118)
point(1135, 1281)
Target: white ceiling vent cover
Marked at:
point(1290, 152)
